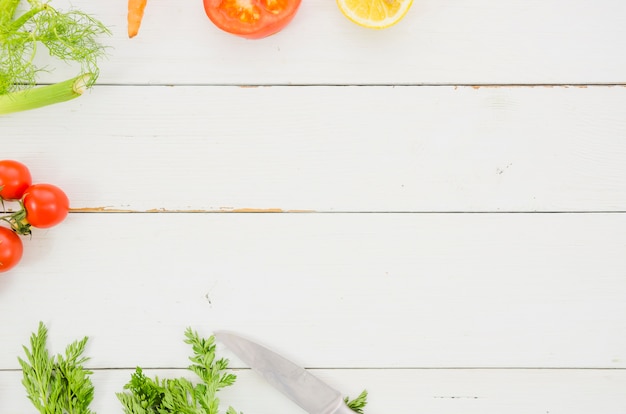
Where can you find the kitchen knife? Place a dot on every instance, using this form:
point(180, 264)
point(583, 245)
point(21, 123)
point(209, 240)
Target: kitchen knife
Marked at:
point(302, 387)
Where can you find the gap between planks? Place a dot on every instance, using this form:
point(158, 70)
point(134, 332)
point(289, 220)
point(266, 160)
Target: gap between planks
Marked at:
point(145, 368)
point(375, 85)
point(281, 211)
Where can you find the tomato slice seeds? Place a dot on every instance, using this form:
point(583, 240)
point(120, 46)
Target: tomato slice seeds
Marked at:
point(252, 19)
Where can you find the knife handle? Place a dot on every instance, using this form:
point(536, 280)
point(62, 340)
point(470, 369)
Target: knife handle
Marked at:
point(343, 409)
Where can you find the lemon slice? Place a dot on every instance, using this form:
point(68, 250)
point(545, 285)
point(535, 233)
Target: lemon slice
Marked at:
point(374, 14)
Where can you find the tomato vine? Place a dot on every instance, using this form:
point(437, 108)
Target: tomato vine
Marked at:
point(40, 206)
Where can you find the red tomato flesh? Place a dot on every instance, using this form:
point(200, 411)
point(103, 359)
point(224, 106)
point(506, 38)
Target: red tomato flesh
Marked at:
point(11, 249)
point(46, 205)
point(14, 179)
point(252, 19)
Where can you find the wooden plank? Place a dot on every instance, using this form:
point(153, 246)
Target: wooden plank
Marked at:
point(334, 290)
point(331, 148)
point(405, 390)
point(449, 42)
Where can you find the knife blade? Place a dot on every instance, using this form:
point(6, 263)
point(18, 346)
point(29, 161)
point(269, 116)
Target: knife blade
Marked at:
point(302, 387)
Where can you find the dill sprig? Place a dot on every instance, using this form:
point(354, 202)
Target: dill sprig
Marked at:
point(180, 395)
point(71, 36)
point(58, 384)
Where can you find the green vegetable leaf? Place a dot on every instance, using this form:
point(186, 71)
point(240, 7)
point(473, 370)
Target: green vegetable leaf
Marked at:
point(70, 37)
point(58, 384)
point(181, 395)
point(358, 403)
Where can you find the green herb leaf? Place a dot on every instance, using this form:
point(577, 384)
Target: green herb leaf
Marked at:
point(71, 37)
point(180, 395)
point(358, 403)
point(58, 384)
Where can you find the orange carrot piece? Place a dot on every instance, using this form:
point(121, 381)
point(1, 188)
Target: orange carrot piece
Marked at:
point(135, 15)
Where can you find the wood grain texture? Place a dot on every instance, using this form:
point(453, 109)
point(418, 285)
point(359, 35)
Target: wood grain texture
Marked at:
point(337, 290)
point(450, 42)
point(461, 248)
point(332, 148)
point(404, 390)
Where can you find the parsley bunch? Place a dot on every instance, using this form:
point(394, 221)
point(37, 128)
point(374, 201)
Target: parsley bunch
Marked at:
point(180, 395)
point(57, 385)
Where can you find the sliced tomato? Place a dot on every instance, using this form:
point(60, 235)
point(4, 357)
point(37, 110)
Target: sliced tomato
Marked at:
point(252, 19)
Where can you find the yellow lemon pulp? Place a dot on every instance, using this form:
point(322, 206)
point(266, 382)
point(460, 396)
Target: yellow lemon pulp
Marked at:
point(375, 14)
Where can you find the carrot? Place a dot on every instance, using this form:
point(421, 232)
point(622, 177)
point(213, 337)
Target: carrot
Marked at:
point(135, 14)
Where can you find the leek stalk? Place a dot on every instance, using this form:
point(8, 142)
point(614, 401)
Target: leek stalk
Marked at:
point(32, 98)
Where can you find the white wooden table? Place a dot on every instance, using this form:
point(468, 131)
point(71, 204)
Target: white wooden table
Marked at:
point(435, 213)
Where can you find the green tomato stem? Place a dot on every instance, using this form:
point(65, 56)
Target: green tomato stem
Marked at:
point(44, 95)
point(17, 220)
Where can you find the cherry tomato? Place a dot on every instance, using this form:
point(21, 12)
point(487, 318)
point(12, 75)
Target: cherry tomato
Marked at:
point(14, 179)
point(46, 205)
point(11, 249)
point(252, 19)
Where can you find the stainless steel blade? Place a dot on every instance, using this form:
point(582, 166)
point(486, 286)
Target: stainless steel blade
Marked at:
point(302, 387)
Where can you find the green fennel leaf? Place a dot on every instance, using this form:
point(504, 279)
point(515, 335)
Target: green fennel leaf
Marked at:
point(71, 36)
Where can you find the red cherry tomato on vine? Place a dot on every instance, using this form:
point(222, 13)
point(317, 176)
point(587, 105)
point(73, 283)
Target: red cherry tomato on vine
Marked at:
point(14, 179)
point(252, 19)
point(11, 249)
point(46, 205)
